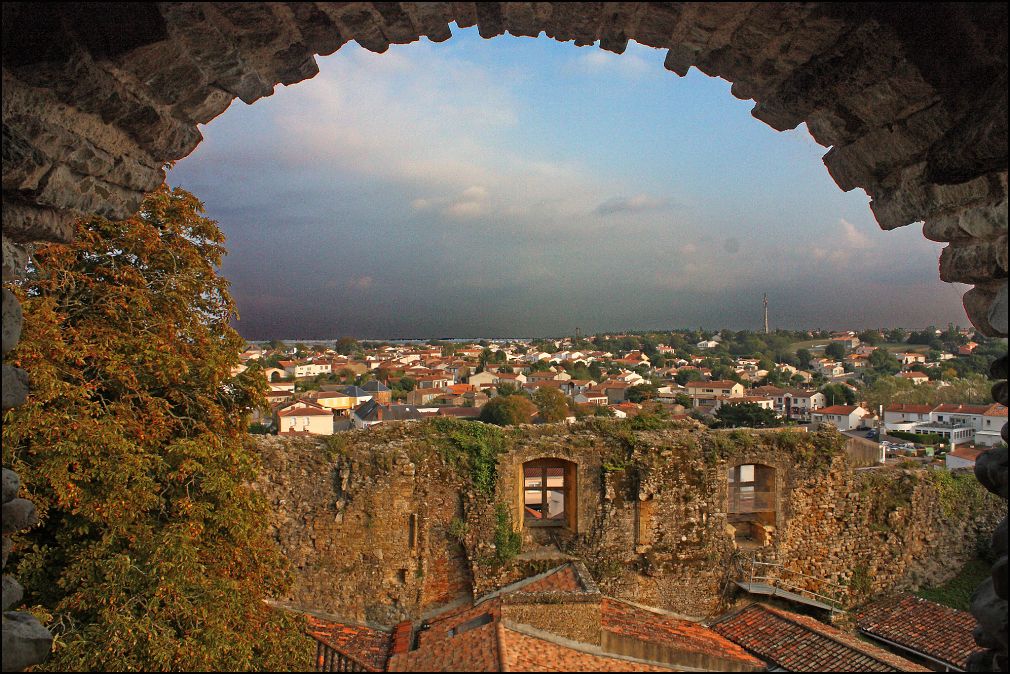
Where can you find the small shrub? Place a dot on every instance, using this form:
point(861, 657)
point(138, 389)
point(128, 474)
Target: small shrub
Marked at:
point(457, 529)
point(507, 541)
point(860, 583)
point(334, 446)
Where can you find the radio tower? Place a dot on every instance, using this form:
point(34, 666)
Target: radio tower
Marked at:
point(766, 313)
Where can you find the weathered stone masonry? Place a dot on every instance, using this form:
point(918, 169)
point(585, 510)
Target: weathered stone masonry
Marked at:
point(913, 103)
point(345, 519)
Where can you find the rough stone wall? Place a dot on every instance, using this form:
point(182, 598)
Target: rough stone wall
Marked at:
point(913, 103)
point(364, 528)
point(343, 517)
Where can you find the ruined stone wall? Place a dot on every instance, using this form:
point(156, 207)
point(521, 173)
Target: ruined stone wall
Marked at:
point(364, 524)
point(367, 519)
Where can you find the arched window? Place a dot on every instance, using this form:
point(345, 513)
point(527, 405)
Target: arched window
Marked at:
point(547, 493)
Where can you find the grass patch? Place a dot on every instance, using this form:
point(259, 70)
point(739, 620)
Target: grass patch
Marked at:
point(956, 592)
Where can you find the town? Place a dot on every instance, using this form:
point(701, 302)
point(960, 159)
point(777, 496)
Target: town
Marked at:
point(914, 393)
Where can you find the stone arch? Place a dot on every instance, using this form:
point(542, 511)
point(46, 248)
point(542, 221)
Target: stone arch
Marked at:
point(912, 104)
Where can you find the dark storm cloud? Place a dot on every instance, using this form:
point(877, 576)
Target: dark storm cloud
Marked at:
point(410, 197)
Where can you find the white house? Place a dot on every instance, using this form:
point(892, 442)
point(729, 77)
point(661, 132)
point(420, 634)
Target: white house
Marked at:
point(842, 417)
point(905, 417)
point(828, 367)
point(992, 424)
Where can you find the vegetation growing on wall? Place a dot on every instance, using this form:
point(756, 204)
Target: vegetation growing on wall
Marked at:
point(959, 491)
point(473, 448)
point(507, 541)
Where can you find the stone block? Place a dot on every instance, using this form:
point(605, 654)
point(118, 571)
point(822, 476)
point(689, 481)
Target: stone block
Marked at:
point(18, 514)
point(11, 485)
point(15, 387)
point(25, 641)
point(12, 592)
point(12, 320)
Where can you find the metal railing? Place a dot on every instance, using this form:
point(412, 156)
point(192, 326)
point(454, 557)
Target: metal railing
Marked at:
point(794, 585)
point(741, 503)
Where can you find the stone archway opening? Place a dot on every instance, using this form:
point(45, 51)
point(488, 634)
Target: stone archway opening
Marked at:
point(752, 507)
point(912, 104)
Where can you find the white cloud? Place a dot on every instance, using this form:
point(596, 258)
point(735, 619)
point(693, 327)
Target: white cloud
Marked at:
point(853, 237)
point(630, 64)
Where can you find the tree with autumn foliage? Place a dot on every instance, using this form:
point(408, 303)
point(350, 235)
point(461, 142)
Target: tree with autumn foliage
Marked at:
point(153, 552)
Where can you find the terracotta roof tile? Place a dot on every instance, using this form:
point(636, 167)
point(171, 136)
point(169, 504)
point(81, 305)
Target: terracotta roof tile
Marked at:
point(366, 645)
point(524, 653)
point(626, 620)
point(935, 630)
point(475, 650)
point(563, 580)
point(801, 644)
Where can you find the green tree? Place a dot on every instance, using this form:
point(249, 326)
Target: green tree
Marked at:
point(804, 358)
point(642, 392)
point(838, 394)
point(883, 362)
point(508, 410)
point(748, 415)
point(551, 403)
point(683, 376)
point(835, 350)
point(870, 337)
point(346, 346)
point(153, 552)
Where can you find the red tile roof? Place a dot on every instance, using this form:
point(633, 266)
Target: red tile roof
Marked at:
point(366, 645)
point(909, 408)
point(836, 409)
point(925, 627)
point(969, 453)
point(473, 651)
point(624, 619)
point(997, 410)
point(305, 411)
point(801, 644)
point(563, 580)
point(962, 409)
point(525, 653)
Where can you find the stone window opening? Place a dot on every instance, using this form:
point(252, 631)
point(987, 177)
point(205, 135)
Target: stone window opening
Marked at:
point(548, 494)
point(751, 509)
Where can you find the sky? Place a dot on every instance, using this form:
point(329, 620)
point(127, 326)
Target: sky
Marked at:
point(526, 187)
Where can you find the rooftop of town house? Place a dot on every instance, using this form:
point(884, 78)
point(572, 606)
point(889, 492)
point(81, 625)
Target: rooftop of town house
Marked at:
point(909, 408)
point(476, 637)
point(837, 409)
point(922, 627)
point(799, 643)
point(959, 408)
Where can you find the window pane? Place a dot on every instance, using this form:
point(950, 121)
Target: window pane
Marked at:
point(555, 504)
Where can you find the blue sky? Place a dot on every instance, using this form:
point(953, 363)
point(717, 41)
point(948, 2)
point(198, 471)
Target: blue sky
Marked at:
point(527, 187)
